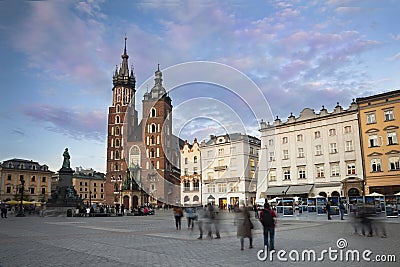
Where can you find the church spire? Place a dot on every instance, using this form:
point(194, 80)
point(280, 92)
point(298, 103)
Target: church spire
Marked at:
point(124, 70)
point(122, 76)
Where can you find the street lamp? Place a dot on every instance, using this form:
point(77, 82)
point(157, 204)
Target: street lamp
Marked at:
point(21, 211)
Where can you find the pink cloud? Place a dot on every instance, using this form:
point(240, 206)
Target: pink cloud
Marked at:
point(75, 123)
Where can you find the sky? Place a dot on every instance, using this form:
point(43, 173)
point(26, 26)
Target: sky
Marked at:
point(58, 57)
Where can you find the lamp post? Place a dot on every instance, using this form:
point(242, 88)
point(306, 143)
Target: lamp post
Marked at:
point(21, 211)
point(90, 198)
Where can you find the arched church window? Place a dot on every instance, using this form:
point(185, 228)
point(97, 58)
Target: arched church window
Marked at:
point(153, 113)
point(116, 130)
point(117, 119)
point(153, 128)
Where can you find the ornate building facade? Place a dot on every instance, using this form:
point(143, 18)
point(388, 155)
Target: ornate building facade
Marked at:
point(313, 154)
point(379, 130)
point(36, 179)
point(229, 169)
point(142, 157)
point(191, 185)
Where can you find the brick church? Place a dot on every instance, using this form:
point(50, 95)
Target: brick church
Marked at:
point(142, 155)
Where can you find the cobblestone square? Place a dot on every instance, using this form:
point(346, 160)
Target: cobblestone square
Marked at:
point(153, 241)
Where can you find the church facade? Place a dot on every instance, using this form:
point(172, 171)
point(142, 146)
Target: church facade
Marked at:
point(142, 156)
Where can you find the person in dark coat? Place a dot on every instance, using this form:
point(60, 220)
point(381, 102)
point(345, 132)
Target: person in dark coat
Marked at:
point(328, 210)
point(244, 227)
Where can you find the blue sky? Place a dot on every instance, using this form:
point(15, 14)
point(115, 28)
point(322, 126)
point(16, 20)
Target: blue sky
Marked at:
point(57, 60)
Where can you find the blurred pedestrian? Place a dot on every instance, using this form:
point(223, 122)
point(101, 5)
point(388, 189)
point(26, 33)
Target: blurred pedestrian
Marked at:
point(201, 220)
point(214, 221)
point(268, 219)
point(178, 214)
point(342, 209)
point(190, 214)
point(255, 208)
point(244, 227)
point(3, 210)
point(328, 209)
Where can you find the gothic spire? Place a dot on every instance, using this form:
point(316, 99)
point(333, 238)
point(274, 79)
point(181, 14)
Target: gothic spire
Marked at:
point(123, 77)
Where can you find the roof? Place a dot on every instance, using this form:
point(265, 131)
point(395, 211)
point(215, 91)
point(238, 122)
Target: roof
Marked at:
point(24, 164)
point(375, 97)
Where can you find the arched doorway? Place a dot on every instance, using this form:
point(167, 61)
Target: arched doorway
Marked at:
point(135, 201)
point(335, 194)
point(353, 192)
point(126, 202)
point(322, 194)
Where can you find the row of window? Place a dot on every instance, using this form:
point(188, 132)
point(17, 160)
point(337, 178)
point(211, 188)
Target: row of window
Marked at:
point(186, 171)
point(94, 184)
point(93, 196)
point(33, 178)
point(374, 140)
point(320, 172)
point(376, 164)
point(196, 185)
point(232, 173)
point(86, 189)
point(317, 134)
point(31, 190)
point(156, 128)
point(194, 160)
point(32, 167)
point(122, 94)
point(333, 149)
point(232, 151)
point(222, 188)
point(388, 114)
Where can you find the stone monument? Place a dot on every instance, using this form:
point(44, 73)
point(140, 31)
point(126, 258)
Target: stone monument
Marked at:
point(65, 196)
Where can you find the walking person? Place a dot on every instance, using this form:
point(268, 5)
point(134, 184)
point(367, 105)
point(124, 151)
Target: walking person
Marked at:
point(190, 214)
point(255, 208)
point(328, 209)
point(214, 221)
point(244, 227)
point(201, 220)
point(178, 214)
point(268, 219)
point(3, 210)
point(342, 209)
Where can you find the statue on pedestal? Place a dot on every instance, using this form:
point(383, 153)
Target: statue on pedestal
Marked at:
point(66, 163)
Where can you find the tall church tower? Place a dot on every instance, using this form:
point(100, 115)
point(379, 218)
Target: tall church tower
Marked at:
point(123, 103)
point(142, 157)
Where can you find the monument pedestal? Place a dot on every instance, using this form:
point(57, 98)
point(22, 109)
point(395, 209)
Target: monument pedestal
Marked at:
point(65, 196)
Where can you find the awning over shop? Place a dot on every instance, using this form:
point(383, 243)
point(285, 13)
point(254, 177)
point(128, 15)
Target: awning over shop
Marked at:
point(276, 190)
point(299, 189)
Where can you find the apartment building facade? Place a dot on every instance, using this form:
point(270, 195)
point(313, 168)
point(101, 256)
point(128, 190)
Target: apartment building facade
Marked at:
point(191, 174)
point(35, 177)
point(229, 169)
point(313, 154)
point(379, 130)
